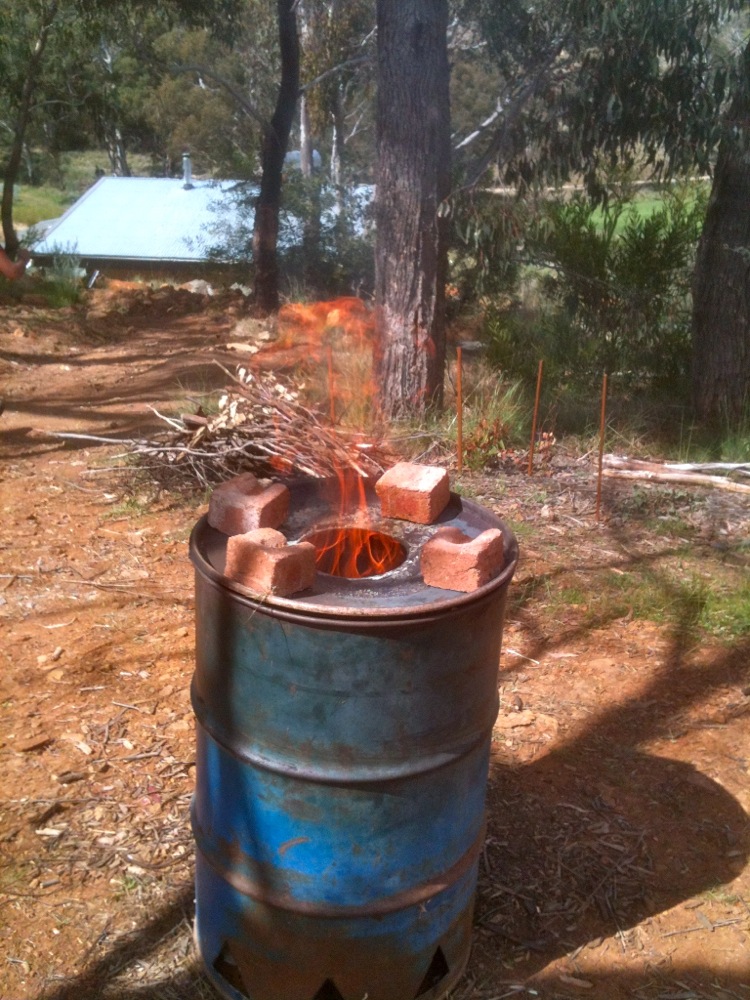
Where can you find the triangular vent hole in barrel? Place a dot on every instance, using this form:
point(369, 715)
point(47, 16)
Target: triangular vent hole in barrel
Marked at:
point(328, 991)
point(228, 969)
point(438, 970)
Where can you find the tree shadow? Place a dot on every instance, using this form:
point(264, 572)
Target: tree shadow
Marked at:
point(598, 835)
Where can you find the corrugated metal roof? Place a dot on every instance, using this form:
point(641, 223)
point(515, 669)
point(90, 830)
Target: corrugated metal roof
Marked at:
point(145, 218)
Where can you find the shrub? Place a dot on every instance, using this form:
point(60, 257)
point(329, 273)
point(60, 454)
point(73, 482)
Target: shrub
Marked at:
point(615, 289)
point(62, 282)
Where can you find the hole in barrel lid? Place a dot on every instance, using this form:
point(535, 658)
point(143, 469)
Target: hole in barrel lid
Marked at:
point(355, 553)
point(328, 991)
point(226, 967)
point(437, 971)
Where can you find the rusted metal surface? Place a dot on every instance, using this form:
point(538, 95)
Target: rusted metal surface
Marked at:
point(399, 593)
point(285, 955)
point(341, 769)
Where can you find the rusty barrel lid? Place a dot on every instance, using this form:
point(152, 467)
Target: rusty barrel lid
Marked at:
point(400, 593)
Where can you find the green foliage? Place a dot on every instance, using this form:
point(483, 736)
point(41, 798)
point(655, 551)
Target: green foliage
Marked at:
point(486, 232)
point(495, 421)
point(608, 292)
point(734, 445)
point(325, 237)
point(211, 95)
point(102, 67)
point(36, 204)
point(334, 35)
point(678, 591)
point(335, 253)
point(586, 85)
point(496, 418)
point(62, 283)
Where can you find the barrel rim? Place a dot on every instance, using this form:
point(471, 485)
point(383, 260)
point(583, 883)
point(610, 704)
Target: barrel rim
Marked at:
point(305, 611)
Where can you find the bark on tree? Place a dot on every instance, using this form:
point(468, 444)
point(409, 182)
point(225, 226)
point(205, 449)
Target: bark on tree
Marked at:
point(413, 178)
point(311, 222)
point(305, 139)
point(118, 158)
point(721, 281)
point(337, 150)
point(13, 163)
point(275, 142)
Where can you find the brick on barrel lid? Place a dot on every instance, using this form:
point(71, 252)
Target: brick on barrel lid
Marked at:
point(264, 562)
point(412, 492)
point(452, 560)
point(244, 504)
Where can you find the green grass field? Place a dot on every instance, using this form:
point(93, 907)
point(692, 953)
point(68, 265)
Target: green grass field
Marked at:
point(644, 204)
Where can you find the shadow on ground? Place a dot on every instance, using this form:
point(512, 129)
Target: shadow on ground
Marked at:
point(564, 864)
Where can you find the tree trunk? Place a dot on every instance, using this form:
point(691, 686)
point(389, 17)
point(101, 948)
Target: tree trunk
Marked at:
point(275, 142)
point(413, 177)
point(337, 151)
point(305, 139)
point(338, 125)
point(13, 163)
point(113, 139)
point(721, 281)
point(311, 220)
point(118, 157)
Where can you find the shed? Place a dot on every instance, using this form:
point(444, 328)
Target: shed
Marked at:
point(149, 225)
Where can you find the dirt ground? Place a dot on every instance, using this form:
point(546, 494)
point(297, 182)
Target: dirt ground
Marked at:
point(616, 861)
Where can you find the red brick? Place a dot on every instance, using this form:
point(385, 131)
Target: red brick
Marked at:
point(411, 492)
point(243, 504)
point(262, 561)
point(452, 560)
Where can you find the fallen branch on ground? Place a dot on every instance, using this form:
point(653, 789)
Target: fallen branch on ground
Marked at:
point(683, 473)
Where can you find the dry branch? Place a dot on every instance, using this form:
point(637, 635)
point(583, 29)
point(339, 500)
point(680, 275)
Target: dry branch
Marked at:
point(685, 474)
point(261, 427)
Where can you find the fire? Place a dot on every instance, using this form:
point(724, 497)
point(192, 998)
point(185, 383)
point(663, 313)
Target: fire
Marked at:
point(355, 553)
point(339, 333)
point(347, 313)
point(336, 334)
point(354, 550)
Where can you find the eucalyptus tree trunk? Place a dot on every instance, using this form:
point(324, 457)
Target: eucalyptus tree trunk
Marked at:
point(721, 281)
point(311, 223)
point(413, 178)
point(118, 158)
point(337, 151)
point(23, 117)
point(275, 142)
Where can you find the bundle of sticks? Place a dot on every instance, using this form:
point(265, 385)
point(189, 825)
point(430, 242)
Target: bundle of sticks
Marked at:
point(261, 426)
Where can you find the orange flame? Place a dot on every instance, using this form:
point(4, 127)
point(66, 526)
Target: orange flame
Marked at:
point(355, 552)
point(329, 329)
point(348, 313)
point(337, 333)
point(354, 549)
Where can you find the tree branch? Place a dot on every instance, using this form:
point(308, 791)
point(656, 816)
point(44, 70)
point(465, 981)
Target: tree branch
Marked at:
point(509, 113)
point(354, 61)
point(231, 88)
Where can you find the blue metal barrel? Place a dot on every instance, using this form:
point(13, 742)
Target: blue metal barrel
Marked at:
point(342, 753)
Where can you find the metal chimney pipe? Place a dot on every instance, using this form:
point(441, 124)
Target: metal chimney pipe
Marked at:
point(187, 171)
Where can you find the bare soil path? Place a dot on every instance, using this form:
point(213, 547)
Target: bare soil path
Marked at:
point(616, 862)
